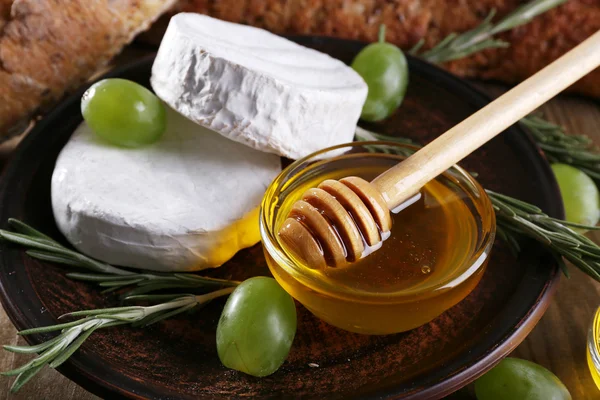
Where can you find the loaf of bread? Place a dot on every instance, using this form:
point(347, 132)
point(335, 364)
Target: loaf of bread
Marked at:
point(532, 46)
point(50, 47)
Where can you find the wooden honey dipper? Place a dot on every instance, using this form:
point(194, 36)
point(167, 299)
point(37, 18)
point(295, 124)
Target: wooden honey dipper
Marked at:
point(334, 223)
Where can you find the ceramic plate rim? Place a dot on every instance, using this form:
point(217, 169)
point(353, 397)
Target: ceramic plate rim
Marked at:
point(75, 368)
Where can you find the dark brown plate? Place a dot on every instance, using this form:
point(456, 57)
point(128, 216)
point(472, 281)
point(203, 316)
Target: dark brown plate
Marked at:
point(178, 359)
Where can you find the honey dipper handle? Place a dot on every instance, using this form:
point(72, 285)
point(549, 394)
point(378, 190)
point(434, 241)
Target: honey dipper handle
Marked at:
point(405, 179)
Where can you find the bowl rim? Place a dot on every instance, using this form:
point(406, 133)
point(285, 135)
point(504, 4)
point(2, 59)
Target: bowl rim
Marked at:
point(593, 343)
point(468, 268)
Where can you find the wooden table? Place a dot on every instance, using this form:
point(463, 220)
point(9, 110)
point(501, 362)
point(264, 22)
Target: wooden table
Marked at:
point(558, 342)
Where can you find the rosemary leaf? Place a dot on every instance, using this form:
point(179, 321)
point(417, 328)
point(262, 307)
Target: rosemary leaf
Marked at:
point(51, 257)
point(506, 238)
point(27, 230)
point(33, 242)
point(126, 317)
point(32, 349)
point(531, 230)
point(24, 377)
point(575, 150)
point(49, 245)
point(47, 356)
point(121, 283)
point(505, 209)
point(157, 318)
point(45, 329)
point(414, 51)
point(64, 356)
point(456, 46)
point(45, 248)
point(79, 276)
point(154, 287)
point(99, 311)
point(513, 243)
point(519, 204)
point(586, 252)
point(152, 297)
point(364, 135)
point(57, 350)
point(205, 280)
point(561, 263)
point(522, 15)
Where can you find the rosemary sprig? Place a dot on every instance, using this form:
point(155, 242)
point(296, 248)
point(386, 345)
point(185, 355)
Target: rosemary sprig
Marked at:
point(73, 334)
point(455, 46)
point(363, 135)
point(575, 150)
point(517, 219)
point(105, 275)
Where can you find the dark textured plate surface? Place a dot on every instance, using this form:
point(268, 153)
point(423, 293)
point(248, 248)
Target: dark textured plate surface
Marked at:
point(178, 359)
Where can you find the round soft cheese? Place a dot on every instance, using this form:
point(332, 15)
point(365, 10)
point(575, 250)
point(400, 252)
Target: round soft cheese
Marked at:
point(255, 87)
point(187, 202)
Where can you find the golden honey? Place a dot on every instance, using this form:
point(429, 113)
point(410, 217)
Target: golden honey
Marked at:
point(434, 256)
point(593, 348)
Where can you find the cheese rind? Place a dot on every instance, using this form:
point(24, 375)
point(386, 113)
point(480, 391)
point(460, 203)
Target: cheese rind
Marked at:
point(187, 202)
point(255, 87)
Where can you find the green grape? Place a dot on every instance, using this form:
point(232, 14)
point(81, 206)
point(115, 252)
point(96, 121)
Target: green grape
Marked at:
point(257, 327)
point(515, 379)
point(383, 67)
point(579, 194)
point(123, 113)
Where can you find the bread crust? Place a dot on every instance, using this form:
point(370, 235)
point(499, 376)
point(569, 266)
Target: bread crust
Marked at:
point(50, 47)
point(532, 46)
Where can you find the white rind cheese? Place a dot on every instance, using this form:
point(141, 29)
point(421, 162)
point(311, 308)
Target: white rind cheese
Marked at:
point(255, 87)
point(187, 202)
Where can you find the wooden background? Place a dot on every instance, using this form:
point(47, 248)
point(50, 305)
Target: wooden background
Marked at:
point(558, 342)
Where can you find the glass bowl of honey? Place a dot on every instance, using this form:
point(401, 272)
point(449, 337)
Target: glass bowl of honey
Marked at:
point(435, 255)
point(593, 348)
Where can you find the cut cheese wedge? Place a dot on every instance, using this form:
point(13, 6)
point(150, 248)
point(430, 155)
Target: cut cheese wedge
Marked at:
point(186, 203)
point(255, 87)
